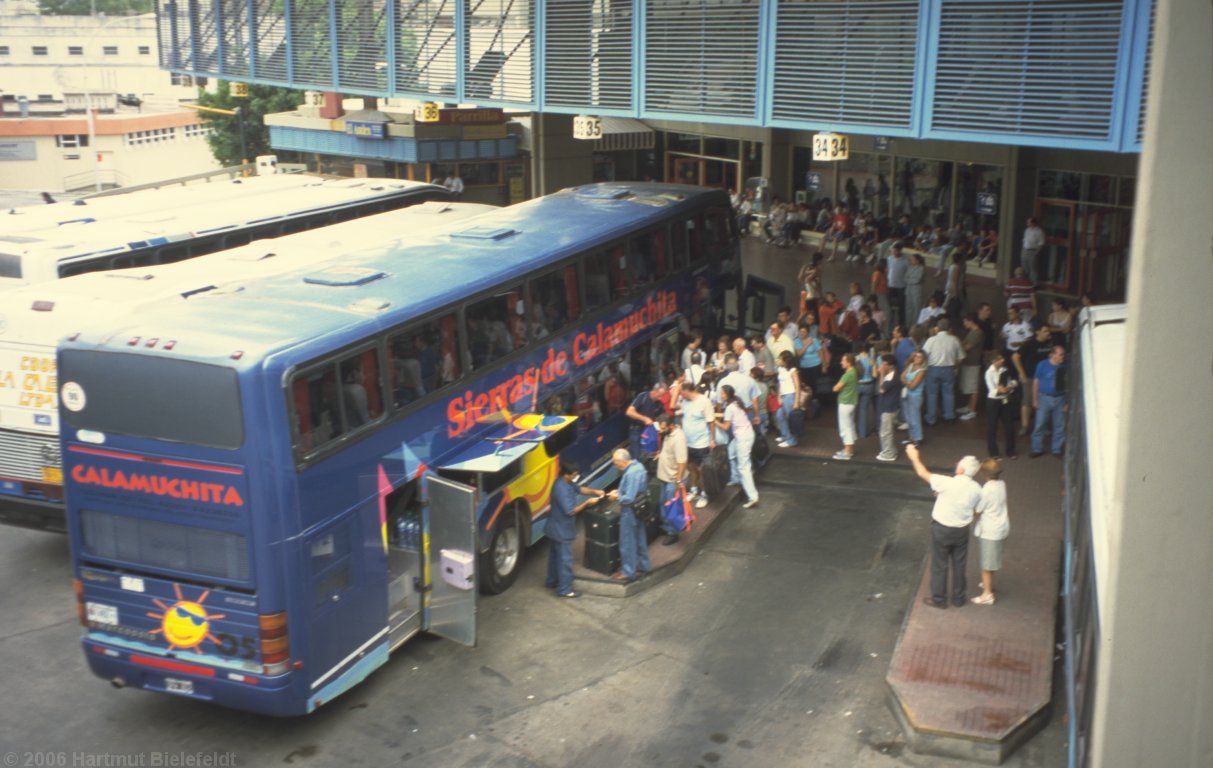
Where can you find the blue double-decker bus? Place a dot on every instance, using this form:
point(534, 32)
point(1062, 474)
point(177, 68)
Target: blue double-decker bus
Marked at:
point(272, 487)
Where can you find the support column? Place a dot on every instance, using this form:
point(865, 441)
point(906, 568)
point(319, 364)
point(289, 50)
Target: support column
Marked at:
point(1154, 685)
point(557, 159)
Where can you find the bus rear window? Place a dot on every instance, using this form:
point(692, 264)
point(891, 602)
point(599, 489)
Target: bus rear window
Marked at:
point(144, 396)
point(171, 546)
point(10, 265)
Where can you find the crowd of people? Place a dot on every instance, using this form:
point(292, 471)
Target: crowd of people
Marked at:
point(903, 353)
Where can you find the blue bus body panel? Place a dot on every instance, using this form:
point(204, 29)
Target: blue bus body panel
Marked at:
point(336, 500)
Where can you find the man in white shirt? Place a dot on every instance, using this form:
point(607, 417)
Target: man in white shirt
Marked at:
point(1033, 240)
point(1016, 330)
point(745, 358)
point(742, 383)
point(778, 341)
point(897, 266)
point(956, 500)
point(944, 353)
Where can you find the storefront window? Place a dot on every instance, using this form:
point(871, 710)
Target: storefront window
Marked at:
point(751, 160)
point(865, 183)
point(818, 188)
point(1059, 185)
point(721, 147)
point(978, 197)
point(923, 190)
point(682, 142)
point(480, 174)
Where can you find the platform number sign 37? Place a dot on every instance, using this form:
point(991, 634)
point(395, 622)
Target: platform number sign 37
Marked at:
point(830, 146)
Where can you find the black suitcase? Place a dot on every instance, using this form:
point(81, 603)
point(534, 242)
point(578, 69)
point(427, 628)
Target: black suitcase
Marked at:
point(716, 471)
point(603, 558)
point(796, 421)
point(602, 524)
point(761, 450)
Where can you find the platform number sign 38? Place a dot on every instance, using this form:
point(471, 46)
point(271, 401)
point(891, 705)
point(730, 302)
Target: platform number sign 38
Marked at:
point(830, 146)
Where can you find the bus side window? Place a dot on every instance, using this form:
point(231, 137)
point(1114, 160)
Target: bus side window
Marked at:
point(554, 301)
point(362, 399)
point(496, 326)
point(597, 281)
point(170, 254)
point(317, 415)
point(642, 261)
point(696, 236)
point(678, 242)
point(620, 286)
point(236, 239)
point(423, 359)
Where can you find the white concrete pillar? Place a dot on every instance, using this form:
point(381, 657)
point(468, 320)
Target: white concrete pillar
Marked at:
point(1154, 689)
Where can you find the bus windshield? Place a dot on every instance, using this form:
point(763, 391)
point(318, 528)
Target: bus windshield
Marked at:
point(143, 396)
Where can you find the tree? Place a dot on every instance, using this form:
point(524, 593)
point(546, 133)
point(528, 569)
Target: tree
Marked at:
point(88, 7)
point(224, 138)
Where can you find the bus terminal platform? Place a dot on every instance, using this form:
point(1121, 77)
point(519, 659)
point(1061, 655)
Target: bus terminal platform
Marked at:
point(975, 682)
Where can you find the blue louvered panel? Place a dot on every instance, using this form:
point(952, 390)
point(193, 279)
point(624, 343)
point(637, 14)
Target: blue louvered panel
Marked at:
point(362, 43)
point(311, 38)
point(181, 26)
point(270, 45)
point(500, 44)
point(168, 28)
point(845, 62)
point(426, 48)
point(204, 20)
point(1044, 68)
point(235, 38)
point(588, 55)
point(701, 57)
point(1145, 86)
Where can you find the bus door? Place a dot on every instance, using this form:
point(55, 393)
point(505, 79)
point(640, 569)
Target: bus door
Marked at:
point(405, 586)
point(762, 299)
point(451, 558)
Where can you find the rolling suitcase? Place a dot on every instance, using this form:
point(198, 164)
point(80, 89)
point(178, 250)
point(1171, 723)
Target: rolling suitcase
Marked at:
point(716, 472)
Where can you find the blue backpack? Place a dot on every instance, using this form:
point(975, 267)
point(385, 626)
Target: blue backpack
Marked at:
point(650, 441)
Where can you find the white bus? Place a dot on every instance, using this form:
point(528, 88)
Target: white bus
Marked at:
point(33, 319)
point(158, 226)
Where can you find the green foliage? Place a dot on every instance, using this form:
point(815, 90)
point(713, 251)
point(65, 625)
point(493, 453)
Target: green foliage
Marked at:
point(224, 138)
point(86, 7)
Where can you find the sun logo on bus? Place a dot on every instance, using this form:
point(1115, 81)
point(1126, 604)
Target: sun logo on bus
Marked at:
point(185, 623)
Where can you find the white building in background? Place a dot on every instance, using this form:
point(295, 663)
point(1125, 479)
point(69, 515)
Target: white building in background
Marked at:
point(44, 57)
point(52, 68)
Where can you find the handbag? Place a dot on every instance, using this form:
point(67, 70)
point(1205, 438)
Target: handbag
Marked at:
point(678, 512)
point(772, 401)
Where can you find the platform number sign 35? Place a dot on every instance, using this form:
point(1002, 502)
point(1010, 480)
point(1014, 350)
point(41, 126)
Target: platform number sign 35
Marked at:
point(587, 127)
point(830, 146)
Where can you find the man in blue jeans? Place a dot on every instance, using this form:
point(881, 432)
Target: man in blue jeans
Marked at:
point(943, 353)
point(561, 528)
point(633, 539)
point(1049, 399)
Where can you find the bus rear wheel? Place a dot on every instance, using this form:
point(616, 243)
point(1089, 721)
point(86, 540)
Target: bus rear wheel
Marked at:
point(501, 562)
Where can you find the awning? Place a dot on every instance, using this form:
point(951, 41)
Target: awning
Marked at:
point(620, 133)
point(505, 442)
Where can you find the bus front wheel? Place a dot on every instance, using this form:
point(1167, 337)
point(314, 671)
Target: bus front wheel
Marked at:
point(501, 562)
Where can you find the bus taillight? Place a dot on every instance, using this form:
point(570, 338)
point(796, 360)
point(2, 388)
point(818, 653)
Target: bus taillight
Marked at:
point(275, 649)
point(80, 614)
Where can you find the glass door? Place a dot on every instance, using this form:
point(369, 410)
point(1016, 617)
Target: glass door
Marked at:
point(1055, 266)
point(1105, 257)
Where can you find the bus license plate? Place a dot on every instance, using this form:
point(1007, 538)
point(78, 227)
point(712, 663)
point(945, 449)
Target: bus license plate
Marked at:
point(101, 614)
point(52, 475)
point(173, 685)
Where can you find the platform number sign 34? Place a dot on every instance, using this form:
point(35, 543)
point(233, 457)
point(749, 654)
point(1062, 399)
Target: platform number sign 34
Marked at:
point(830, 146)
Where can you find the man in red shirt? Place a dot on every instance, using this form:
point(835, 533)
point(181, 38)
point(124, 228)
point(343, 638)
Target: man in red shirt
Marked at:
point(840, 229)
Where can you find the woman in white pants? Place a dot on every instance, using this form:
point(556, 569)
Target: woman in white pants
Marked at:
point(741, 426)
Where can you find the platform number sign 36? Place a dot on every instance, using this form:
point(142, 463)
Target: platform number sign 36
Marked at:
point(830, 146)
